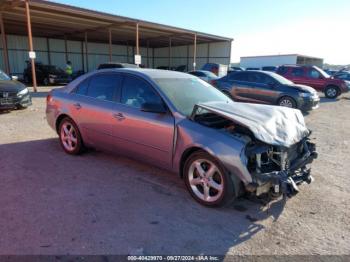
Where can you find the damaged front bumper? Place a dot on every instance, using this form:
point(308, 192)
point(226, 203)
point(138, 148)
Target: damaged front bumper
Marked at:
point(286, 181)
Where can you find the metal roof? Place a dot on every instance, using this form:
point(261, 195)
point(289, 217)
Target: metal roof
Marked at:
point(56, 20)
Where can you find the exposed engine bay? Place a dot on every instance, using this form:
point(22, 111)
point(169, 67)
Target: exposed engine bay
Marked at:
point(275, 169)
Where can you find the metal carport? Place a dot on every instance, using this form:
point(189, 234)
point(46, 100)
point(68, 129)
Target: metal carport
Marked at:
point(87, 38)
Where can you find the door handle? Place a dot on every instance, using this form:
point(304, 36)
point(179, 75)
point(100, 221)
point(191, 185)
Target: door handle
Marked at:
point(77, 106)
point(119, 116)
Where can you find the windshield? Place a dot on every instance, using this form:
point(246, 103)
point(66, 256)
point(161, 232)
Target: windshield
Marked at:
point(4, 76)
point(323, 73)
point(185, 93)
point(282, 80)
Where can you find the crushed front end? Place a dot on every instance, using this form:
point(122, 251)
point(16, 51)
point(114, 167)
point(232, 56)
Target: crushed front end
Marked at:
point(278, 170)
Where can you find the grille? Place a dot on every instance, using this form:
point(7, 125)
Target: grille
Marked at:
point(7, 95)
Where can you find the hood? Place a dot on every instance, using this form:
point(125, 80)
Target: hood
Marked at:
point(11, 86)
point(304, 88)
point(274, 125)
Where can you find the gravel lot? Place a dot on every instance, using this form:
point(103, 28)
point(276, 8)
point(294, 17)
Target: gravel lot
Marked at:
point(53, 203)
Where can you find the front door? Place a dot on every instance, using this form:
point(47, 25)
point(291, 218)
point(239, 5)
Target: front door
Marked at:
point(143, 134)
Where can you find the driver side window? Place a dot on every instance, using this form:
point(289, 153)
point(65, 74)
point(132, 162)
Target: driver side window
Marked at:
point(314, 74)
point(136, 92)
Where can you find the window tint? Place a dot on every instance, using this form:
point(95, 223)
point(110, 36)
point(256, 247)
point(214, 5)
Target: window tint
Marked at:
point(82, 88)
point(314, 74)
point(261, 79)
point(103, 86)
point(282, 70)
point(238, 76)
point(298, 72)
point(136, 92)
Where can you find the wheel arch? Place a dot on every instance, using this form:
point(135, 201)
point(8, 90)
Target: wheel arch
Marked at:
point(59, 119)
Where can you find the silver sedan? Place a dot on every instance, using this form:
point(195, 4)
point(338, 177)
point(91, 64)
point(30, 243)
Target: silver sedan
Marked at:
point(178, 122)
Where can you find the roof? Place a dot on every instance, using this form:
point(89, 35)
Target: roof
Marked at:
point(151, 73)
point(56, 20)
point(281, 55)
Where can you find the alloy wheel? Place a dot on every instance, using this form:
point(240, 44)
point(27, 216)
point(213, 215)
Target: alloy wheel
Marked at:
point(286, 102)
point(331, 92)
point(69, 136)
point(206, 180)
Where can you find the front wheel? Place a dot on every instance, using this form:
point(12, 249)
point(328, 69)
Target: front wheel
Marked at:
point(287, 102)
point(331, 92)
point(70, 137)
point(207, 181)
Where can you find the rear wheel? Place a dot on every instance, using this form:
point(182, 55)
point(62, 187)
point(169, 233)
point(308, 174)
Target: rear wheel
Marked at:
point(287, 101)
point(207, 181)
point(331, 92)
point(70, 137)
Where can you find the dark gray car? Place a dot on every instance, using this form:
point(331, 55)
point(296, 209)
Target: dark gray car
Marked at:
point(268, 88)
point(178, 122)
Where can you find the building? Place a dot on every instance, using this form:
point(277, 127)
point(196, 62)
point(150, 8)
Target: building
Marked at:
point(278, 60)
point(59, 33)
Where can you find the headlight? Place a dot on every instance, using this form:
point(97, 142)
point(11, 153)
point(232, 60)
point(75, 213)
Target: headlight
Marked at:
point(305, 94)
point(52, 76)
point(23, 92)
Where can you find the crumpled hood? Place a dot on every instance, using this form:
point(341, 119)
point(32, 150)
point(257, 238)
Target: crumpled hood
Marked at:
point(274, 125)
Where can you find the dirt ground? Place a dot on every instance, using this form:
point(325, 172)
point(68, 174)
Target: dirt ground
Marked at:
point(53, 203)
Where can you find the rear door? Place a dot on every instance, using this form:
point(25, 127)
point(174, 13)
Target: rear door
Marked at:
point(94, 108)
point(240, 86)
point(143, 134)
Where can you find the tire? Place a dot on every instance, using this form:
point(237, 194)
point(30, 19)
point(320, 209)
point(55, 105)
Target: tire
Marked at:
point(46, 81)
point(70, 137)
point(332, 92)
point(26, 79)
point(212, 190)
point(287, 101)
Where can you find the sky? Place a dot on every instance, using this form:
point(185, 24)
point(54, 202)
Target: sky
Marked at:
point(259, 27)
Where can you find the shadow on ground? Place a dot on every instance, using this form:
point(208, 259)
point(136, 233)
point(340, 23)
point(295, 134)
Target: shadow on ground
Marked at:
point(54, 203)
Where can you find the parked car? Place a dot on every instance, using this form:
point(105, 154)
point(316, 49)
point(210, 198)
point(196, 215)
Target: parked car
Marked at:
point(343, 75)
point(13, 94)
point(269, 68)
point(207, 76)
point(46, 74)
point(268, 88)
point(235, 68)
point(178, 122)
point(218, 69)
point(316, 78)
point(116, 65)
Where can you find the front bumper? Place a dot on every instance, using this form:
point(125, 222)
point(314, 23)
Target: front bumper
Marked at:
point(309, 103)
point(15, 102)
point(286, 182)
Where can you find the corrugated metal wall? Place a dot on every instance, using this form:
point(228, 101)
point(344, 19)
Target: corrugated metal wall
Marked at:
point(183, 55)
point(52, 51)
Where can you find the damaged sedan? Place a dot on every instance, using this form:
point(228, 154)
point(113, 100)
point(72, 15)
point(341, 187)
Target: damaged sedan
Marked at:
point(220, 148)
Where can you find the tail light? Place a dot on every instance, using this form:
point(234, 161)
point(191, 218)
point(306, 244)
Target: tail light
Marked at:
point(49, 99)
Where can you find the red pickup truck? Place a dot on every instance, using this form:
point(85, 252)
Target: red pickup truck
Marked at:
point(316, 78)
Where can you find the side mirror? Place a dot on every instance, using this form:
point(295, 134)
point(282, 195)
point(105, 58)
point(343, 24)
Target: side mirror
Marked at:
point(15, 78)
point(158, 108)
